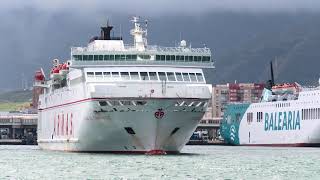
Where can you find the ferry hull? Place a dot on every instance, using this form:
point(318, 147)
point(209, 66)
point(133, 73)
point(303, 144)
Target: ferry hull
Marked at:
point(122, 129)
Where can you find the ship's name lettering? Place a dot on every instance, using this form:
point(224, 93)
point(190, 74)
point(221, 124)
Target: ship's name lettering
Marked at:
point(278, 121)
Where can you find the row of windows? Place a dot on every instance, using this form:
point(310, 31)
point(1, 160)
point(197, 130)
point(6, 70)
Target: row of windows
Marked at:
point(183, 58)
point(122, 103)
point(308, 114)
point(132, 57)
point(148, 76)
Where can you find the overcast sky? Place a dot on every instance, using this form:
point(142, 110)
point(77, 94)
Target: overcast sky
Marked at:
point(33, 32)
point(164, 6)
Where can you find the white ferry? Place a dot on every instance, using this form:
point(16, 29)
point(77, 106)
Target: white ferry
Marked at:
point(289, 115)
point(111, 97)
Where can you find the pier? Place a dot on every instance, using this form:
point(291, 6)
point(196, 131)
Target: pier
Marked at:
point(18, 128)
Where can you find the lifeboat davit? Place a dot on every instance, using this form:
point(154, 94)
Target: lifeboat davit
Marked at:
point(64, 68)
point(39, 76)
point(55, 73)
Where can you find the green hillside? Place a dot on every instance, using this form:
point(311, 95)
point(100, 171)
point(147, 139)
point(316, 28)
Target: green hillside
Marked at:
point(15, 100)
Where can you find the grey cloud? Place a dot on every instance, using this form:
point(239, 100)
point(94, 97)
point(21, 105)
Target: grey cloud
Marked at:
point(164, 6)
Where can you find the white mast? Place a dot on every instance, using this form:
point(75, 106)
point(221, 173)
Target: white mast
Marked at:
point(140, 42)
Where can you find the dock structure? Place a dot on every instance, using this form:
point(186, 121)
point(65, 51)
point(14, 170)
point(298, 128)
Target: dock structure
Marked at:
point(18, 128)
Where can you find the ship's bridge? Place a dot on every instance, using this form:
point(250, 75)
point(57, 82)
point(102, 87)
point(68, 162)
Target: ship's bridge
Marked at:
point(153, 55)
point(113, 52)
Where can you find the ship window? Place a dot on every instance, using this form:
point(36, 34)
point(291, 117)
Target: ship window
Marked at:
point(106, 57)
point(102, 103)
point(163, 57)
point(129, 130)
point(77, 57)
point(173, 57)
point(179, 76)
point(144, 56)
point(90, 74)
point(162, 76)
point(111, 57)
point(153, 76)
point(98, 75)
point(168, 57)
point(144, 76)
point(190, 58)
point(206, 59)
point(115, 75)
point(185, 77)
point(134, 57)
point(141, 103)
point(158, 57)
point(126, 103)
point(128, 57)
point(193, 77)
point(117, 57)
point(134, 76)
point(180, 58)
point(107, 75)
point(123, 57)
point(200, 77)
point(125, 76)
point(100, 57)
point(96, 57)
point(171, 76)
point(90, 58)
point(85, 57)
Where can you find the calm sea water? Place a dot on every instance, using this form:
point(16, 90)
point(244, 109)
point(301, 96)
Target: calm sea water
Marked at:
point(195, 162)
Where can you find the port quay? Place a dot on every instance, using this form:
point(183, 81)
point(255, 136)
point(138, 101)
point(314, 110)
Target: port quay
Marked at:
point(20, 127)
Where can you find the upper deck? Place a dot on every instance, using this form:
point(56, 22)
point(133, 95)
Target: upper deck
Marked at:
point(113, 52)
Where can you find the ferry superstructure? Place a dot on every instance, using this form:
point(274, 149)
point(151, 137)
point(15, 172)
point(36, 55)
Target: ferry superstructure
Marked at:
point(289, 115)
point(111, 97)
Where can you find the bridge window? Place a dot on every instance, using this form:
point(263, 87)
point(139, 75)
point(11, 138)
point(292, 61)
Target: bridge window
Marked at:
point(95, 57)
point(123, 57)
point(153, 76)
point(125, 75)
point(200, 77)
point(162, 76)
point(134, 76)
point(100, 57)
point(117, 57)
point(186, 77)
point(107, 75)
point(90, 74)
point(144, 76)
point(179, 76)
point(115, 75)
point(98, 75)
point(193, 77)
point(171, 76)
point(168, 58)
point(90, 58)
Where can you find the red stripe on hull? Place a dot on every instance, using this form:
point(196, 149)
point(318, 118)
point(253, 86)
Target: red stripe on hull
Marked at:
point(286, 145)
point(122, 152)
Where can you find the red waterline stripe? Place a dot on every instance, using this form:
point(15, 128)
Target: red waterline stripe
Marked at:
point(287, 145)
point(92, 99)
point(122, 152)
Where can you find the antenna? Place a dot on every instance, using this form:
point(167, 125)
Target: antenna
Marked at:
point(272, 76)
point(120, 31)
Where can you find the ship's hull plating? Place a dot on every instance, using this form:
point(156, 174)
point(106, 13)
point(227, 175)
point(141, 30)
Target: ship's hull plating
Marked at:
point(281, 124)
point(87, 125)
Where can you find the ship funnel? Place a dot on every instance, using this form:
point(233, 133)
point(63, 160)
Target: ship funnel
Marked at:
point(105, 32)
